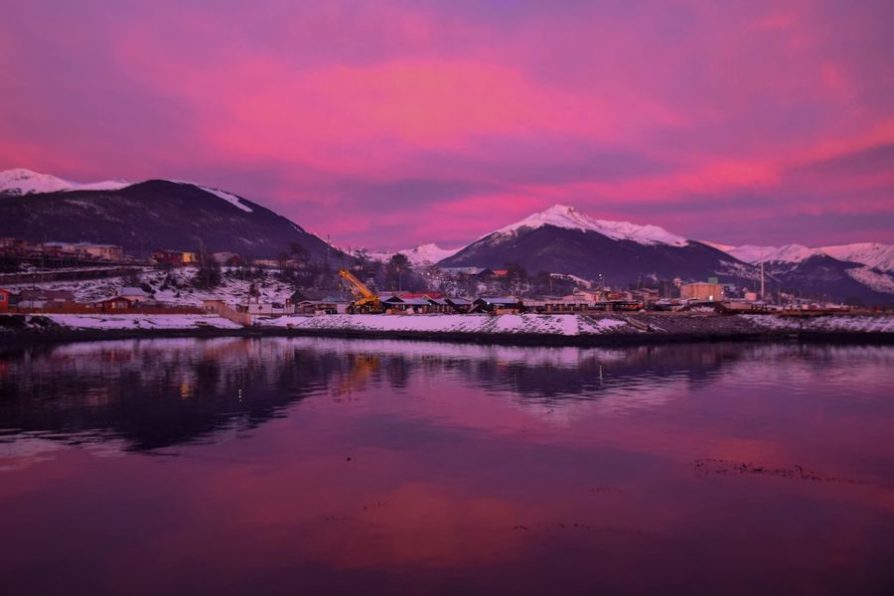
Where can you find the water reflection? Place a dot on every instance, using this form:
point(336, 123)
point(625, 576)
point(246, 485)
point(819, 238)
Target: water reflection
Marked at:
point(157, 393)
point(336, 466)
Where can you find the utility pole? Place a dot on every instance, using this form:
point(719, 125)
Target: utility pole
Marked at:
point(763, 297)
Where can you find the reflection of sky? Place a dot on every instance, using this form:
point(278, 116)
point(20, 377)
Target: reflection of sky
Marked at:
point(403, 121)
point(414, 465)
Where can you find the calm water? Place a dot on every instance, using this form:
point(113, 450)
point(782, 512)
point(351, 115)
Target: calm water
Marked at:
point(320, 466)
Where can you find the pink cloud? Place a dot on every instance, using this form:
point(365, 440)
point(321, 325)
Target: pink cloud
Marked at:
point(303, 106)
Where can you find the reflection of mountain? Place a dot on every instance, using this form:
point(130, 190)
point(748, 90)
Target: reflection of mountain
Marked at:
point(158, 393)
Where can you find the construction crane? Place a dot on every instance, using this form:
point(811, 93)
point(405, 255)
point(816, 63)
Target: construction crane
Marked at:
point(366, 300)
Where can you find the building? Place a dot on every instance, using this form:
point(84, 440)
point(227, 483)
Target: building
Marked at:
point(114, 304)
point(398, 304)
point(329, 305)
point(460, 305)
point(175, 258)
point(497, 305)
point(5, 300)
point(566, 304)
point(38, 299)
point(708, 291)
point(104, 252)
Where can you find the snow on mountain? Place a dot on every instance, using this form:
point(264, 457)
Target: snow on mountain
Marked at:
point(428, 254)
point(421, 256)
point(790, 253)
point(871, 254)
point(562, 216)
point(880, 282)
point(230, 198)
point(19, 181)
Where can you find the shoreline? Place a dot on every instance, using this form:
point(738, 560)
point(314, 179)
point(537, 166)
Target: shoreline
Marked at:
point(32, 337)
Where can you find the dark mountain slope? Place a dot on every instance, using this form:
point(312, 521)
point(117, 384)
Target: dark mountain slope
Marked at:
point(589, 254)
point(156, 214)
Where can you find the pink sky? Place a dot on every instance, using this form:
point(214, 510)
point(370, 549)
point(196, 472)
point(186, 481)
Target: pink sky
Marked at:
point(387, 124)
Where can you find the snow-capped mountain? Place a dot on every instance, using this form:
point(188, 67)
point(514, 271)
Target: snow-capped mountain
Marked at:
point(423, 255)
point(428, 254)
point(19, 181)
point(871, 254)
point(145, 216)
point(563, 240)
point(569, 218)
point(789, 253)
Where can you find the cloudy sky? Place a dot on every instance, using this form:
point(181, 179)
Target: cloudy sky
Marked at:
point(390, 123)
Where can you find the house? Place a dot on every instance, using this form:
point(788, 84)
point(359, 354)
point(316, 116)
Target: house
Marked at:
point(330, 305)
point(712, 292)
point(44, 299)
point(398, 304)
point(439, 305)
point(175, 258)
point(498, 305)
point(105, 252)
point(254, 306)
point(114, 304)
point(566, 304)
point(460, 305)
point(5, 300)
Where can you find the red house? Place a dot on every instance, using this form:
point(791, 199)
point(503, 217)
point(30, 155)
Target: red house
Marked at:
point(116, 304)
point(5, 296)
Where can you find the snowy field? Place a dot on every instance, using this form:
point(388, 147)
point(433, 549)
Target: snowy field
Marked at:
point(143, 322)
point(569, 325)
point(178, 291)
point(826, 324)
point(527, 323)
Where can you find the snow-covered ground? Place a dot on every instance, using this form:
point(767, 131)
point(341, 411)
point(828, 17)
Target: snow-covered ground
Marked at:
point(828, 324)
point(232, 291)
point(569, 325)
point(503, 324)
point(142, 321)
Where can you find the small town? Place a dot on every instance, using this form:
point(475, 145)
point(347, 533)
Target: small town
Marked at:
point(47, 276)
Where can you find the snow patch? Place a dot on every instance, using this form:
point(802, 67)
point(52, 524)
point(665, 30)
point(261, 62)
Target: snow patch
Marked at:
point(872, 254)
point(873, 279)
point(19, 181)
point(790, 253)
point(141, 321)
point(228, 197)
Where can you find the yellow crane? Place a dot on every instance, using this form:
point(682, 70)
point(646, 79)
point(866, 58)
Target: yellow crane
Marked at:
point(366, 300)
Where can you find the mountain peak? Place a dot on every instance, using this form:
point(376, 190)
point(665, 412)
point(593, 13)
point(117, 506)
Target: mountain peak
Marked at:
point(21, 181)
point(567, 217)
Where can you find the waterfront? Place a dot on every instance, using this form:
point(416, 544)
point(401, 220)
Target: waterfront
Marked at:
point(314, 465)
